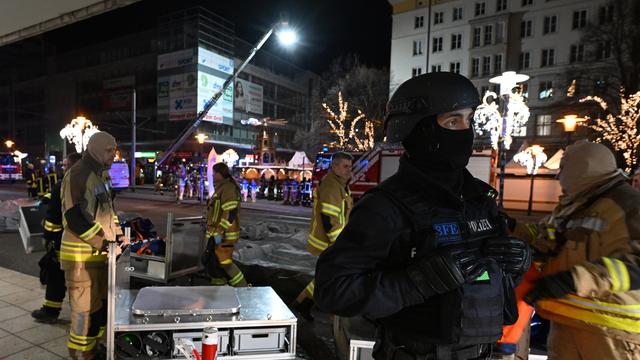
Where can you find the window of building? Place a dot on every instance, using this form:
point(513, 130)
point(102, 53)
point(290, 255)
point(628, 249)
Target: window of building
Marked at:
point(476, 36)
point(548, 57)
point(416, 71)
point(576, 53)
point(526, 28)
point(454, 67)
point(438, 17)
point(488, 34)
point(525, 60)
point(419, 22)
point(545, 90)
point(543, 125)
point(604, 50)
point(480, 8)
point(437, 44)
point(605, 14)
point(499, 32)
point(486, 65)
point(527, 2)
point(550, 24)
point(497, 63)
point(457, 14)
point(579, 19)
point(417, 47)
point(456, 41)
point(436, 68)
point(475, 67)
point(501, 5)
point(599, 85)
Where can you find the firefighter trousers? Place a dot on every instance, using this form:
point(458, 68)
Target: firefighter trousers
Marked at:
point(56, 289)
point(307, 292)
point(234, 276)
point(87, 296)
point(569, 343)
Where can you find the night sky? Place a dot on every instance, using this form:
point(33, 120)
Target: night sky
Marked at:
point(327, 28)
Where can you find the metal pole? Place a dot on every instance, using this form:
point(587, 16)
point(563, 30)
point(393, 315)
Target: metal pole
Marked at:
point(502, 155)
point(132, 178)
point(531, 191)
point(196, 122)
point(111, 304)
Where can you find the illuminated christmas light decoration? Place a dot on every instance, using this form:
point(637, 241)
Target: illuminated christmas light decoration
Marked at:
point(620, 130)
point(346, 129)
point(532, 158)
point(78, 132)
point(488, 118)
point(571, 90)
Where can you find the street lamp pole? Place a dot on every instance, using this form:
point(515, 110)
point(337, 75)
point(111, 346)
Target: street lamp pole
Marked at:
point(132, 178)
point(285, 36)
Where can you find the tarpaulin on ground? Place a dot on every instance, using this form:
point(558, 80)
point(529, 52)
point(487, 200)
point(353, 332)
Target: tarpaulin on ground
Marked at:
point(9, 214)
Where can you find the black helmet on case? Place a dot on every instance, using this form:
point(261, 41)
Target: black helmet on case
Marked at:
point(426, 95)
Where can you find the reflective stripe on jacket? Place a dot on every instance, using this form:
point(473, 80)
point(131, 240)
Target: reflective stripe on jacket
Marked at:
point(87, 215)
point(332, 198)
point(223, 212)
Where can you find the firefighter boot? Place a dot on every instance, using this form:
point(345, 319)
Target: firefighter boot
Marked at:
point(98, 353)
point(46, 315)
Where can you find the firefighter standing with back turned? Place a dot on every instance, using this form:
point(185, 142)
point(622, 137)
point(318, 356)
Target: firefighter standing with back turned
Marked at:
point(56, 290)
point(590, 244)
point(433, 267)
point(89, 225)
point(331, 208)
point(223, 226)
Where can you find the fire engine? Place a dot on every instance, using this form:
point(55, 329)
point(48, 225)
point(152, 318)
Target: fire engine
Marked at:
point(10, 168)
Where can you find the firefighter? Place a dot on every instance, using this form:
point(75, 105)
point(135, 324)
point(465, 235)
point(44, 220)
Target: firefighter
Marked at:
point(56, 290)
point(89, 225)
point(181, 178)
point(433, 267)
point(285, 191)
point(40, 183)
point(32, 181)
point(223, 225)
point(306, 192)
point(293, 192)
point(244, 186)
point(590, 284)
point(52, 179)
point(254, 190)
point(331, 208)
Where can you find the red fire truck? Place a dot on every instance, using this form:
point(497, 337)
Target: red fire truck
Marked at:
point(374, 166)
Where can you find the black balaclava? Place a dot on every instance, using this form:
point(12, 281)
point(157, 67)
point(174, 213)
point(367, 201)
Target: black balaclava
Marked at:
point(440, 153)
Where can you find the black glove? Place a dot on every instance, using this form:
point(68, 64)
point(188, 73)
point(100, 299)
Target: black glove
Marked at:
point(511, 253)
point(551, 287)
point(446, 271)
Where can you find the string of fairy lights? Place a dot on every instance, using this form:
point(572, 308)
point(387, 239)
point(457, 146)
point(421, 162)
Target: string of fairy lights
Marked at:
point(352, 134)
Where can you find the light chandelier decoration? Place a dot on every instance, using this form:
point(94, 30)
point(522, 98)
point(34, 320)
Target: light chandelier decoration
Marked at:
point(78, 132)
point(531, 158)
point(488, 118)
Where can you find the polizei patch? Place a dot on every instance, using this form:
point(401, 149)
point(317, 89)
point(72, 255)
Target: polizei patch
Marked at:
point(480, 225)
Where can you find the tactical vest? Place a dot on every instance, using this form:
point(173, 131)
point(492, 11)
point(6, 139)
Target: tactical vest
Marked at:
point(471, 314)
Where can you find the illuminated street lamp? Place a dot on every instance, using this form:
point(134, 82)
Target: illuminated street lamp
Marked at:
point(532, 158)
point(201, 138)
point(286, 36)
point(78, 132)
point(570, 122)
point(501, 125)
point(9, 144)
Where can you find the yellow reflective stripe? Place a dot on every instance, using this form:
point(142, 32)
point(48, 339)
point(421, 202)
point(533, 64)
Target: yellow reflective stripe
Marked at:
point(236, 279)
point(626, 310)
point(316, 243)
point(83, 257)
point(218, 281)
point(330, 210)
point(533, 231)
point(47, 195)
point(311, 287)
point(334, 234)
point(226, 262)
point(232, 235)
point(91, 232)
point(115, 219)
point(49, 226)
point(52, 304)
point(229, 205)
point(619, 274)
point(100, 332)
point(575, 310)
point(224, 223)
point(73, 344)
point(76, 245)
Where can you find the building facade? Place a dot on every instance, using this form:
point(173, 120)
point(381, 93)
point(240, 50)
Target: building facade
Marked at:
point(42, 87)
point(482, 39)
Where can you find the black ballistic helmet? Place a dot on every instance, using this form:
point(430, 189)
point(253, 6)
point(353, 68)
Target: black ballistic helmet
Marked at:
point(426, 95)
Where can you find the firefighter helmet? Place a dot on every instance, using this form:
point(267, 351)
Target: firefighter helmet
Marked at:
point(426, 95)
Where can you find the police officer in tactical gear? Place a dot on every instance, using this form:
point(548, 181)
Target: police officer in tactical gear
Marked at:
point(433, 268)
